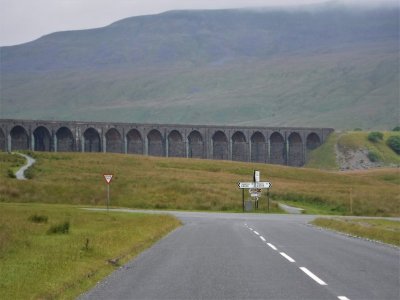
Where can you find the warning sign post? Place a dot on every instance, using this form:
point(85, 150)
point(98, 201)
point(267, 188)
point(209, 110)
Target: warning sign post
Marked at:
point(108, 178)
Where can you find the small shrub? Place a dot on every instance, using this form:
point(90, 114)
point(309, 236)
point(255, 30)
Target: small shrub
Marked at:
point(38, 218)
point(59, 228)
point(373, 156)
point(11, 173)
point(397, 128)
point(394, 143)
point(375, 136)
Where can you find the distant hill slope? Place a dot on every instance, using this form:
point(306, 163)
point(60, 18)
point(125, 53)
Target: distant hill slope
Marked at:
point(321, 66)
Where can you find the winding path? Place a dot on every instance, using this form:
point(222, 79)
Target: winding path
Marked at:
point(20, 174)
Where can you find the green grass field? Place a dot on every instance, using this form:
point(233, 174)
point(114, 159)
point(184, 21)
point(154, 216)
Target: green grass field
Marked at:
point(171, 183)
point(37, 265)
point(386, 231)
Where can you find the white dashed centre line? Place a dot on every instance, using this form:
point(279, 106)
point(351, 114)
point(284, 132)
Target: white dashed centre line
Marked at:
point(272, 246)
point(262, 238)
point(287, 257)
point(313, 276)
point(256, 232)
point(343, 298)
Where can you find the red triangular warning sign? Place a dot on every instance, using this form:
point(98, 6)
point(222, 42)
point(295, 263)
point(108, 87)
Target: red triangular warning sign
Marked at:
point(108, 178)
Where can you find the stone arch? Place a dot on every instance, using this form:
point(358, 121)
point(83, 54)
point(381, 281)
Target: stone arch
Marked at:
point(239, 147)
point(176, 146)
point(65, 140)
point(295, 155)
point(19, 138)
point(196, 145)
point(313, 141)
point(2, 141)
point(258, 148)
point(155, 143)
point(134, 142)
point(113, 141)
point(277, 149)
point(92, 140)
point(42, 139)
point(220, 146)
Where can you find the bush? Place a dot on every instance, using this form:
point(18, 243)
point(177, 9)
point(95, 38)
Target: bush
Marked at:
point(11, 173)
point(394, 143)
point(38, 218)
point(375, 136)
point(397, 128)
point(374, 156)
point(59, 228)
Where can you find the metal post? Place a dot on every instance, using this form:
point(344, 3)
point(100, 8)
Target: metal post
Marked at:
point(268, 199)
point(243, 199)
point(108, 196)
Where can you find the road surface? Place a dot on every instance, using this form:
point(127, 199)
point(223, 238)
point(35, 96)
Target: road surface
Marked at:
point(251, 256)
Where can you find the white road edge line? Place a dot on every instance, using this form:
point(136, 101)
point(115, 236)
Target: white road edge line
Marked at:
point(343, 298)
point(313, 276)
point(287, 257)
point(256, 232)
point(272, 246)
point(262, 238)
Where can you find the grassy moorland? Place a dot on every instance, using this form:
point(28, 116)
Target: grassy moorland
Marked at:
point(168, 183)
point(39, 260)
point(386, 231)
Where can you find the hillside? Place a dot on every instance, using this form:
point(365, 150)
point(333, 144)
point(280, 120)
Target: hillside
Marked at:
point(173, 183)
point(321, 66)
point(351, 151)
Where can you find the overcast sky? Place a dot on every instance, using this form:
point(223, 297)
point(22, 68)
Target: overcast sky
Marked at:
point(26, 20)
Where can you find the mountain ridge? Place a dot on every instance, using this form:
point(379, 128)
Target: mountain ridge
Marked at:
point(332, 68)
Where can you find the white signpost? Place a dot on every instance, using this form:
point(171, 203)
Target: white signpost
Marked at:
point(255, 187)
point(108, 178)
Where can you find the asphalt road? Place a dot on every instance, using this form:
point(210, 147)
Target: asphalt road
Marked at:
point(250, 256)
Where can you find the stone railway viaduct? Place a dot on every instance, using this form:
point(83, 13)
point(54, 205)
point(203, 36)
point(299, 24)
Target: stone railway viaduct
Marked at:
point(275, 145)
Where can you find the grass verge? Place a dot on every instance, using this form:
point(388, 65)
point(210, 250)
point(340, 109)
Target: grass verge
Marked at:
point(36, 263)
point(386, 231)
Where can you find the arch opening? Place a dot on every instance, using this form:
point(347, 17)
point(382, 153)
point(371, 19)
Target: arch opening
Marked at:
point(313, 141)
point(3, 144)
point(196, 145)
point(155, 143)
point(220, 146)
point(19, 138)
point(176, 146)
point(239, 147)
point(258, 148)
point(134, 142)
point(65, 140)
point(113, 141)
point(42, 139)
point(92, 140)
point(277, 149)
point(295, 157)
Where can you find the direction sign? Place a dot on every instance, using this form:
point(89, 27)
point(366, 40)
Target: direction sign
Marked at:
point(253, 185)
point(256, 176)
point(263, 185)
point(108, 178)
point(246, 185)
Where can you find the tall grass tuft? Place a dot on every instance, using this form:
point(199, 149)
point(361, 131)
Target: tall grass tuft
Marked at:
point(62, 228)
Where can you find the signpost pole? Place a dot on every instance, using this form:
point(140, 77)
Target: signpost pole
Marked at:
point(108, 195)
point(243, 199)
point(268, 199)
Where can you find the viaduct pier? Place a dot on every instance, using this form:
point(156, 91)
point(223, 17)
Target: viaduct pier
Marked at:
point(275, 145)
